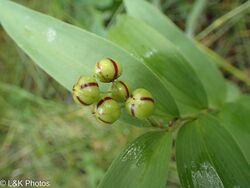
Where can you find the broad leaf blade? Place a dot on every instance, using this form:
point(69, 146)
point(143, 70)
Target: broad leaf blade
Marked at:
point(204, 67)
point(207, 156)
point(235, 117)
point(233, 92)
point(143, 164)
point(161, 56)
point(66, 52)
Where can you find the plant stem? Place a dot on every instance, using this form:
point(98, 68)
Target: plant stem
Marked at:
point(154, 123)
point(177, 123)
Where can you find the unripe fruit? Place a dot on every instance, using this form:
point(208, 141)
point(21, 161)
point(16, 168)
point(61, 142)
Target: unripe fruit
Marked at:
point(108, 70)
point(107, 110)
point(120, 91)
point(140, 104)
point(86, 90)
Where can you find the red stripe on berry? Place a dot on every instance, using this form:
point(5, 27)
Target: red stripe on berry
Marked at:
point(104, 120)
point(78, 98)
point(115, 68)
point(147, 99)
point(126, 88)
point(90, 84)
point(102, 101)
point(132, 108)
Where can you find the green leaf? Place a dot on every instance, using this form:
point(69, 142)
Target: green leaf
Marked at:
point(235, 117)
point(207, 156)
point(161, 56)
point(204, 67)
point(233, 92)
point(143, 164)
point(66, 52)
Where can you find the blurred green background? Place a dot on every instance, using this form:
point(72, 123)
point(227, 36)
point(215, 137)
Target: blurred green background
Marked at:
point(44, 136)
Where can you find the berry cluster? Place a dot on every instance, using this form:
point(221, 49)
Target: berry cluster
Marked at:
point(107, 105)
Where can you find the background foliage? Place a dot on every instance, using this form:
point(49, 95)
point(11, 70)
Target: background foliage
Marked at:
point(44, 135)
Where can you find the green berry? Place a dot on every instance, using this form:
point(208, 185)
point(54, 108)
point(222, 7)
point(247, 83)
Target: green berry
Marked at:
point(108, 70)
point(107, 110)
point(120, 91)
point(140, 104)
point(86, 90)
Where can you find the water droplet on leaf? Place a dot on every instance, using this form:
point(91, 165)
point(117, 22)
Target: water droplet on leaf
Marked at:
point(51, 34)
point(204, 175)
